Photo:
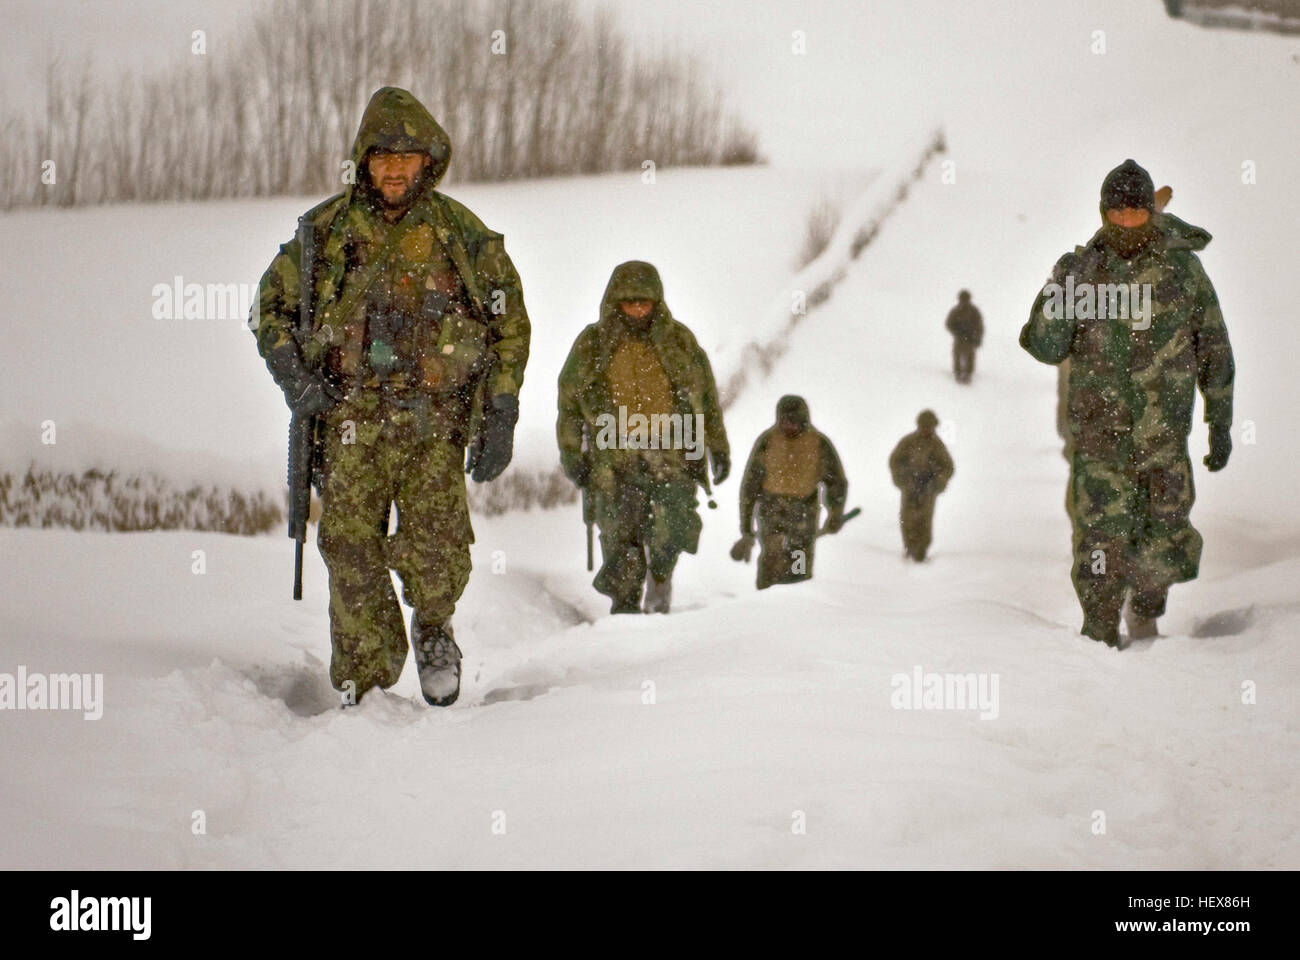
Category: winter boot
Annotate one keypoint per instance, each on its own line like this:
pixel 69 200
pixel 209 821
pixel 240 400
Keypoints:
pixel 437 658
pixel 1141 613
pixel 658 595
pixel 1105 632
pixel 1139 627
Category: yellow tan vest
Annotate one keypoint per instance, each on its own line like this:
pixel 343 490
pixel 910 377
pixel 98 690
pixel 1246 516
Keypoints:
pixel 638 381
pixel 791 465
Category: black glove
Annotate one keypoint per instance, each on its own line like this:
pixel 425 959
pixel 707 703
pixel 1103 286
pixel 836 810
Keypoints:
pixel 306 392
pixel 721 467
pixel 1220 447
pixel 834 522
pixel 490 451
pixel 580 472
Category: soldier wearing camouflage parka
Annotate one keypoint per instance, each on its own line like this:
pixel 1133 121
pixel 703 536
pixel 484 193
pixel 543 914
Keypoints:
pixel 417 347
pixel 639 360
pixel 792 466
pixel 1132 384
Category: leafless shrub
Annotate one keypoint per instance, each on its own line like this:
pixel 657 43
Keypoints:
pixel 823 221
pixel 525 88
pixel 95 500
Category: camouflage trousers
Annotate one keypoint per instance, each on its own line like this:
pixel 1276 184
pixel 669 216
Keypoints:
pixel 963 360
pixel 375 455
pixel 644 525
pixel 916 518
pixel 787 534
pixel 1132 534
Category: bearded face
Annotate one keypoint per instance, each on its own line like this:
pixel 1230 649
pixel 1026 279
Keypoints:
pixel 396 177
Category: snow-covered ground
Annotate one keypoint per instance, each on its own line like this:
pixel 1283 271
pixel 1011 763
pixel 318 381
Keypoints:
pixel 708 737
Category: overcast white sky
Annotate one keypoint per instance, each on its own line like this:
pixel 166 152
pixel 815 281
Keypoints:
pixel 871 66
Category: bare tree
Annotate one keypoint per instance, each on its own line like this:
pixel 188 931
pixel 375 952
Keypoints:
pixel 571 93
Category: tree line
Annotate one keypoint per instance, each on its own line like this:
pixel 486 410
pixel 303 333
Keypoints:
pixel 525 88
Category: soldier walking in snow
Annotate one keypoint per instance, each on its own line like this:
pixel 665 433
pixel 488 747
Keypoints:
pixel 1132 383
pixel 638 410
pixel 921 468
pixel 790 463
pixel 415 346
pixel 967 328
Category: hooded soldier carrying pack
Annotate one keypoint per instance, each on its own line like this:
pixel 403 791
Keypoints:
pixel 430 304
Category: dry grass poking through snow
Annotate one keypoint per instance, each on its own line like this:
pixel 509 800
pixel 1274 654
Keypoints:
pixel 94 500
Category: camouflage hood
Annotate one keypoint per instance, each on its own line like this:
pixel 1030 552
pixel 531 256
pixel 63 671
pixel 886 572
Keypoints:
pixel 793 408
pixel 633 280
pixel 1179 234
pixel 395 120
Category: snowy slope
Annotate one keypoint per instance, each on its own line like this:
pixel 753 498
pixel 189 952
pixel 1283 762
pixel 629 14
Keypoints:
pixel 766 705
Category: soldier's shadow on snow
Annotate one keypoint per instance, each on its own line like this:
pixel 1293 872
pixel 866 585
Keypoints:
pixel 1225 623
pixel 304 687
pixel 526 691
pixel 532 688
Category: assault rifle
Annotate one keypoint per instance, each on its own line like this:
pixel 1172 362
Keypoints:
pixel 302 430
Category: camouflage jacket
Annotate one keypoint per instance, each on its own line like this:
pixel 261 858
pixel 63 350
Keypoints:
pixel 830 477
pixel 920 465
pixel 1133 379
pixel 584 389
pixel 482 350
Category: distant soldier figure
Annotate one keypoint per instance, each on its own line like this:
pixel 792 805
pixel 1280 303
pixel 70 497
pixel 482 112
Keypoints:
pixel 967 328
pixel 791 463
pixel 921 469
pixel 1141 330
pixel 638 410
pixel 416 346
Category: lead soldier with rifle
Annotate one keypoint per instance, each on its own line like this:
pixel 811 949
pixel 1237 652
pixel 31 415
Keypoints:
pixel 394 322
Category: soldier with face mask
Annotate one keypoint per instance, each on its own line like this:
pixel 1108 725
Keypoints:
pixel 638 411
pixel 790 465
pixel 1132 381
